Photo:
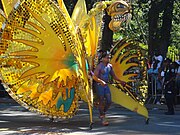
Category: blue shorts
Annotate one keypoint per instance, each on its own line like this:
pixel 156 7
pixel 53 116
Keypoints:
pixel 103 90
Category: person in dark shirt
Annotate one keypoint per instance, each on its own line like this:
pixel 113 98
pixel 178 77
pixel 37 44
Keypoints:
pixel 169 89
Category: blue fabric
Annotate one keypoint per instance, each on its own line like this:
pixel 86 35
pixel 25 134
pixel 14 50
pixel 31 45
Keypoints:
pixel 102 91
pixel 105 71
pixel 104 95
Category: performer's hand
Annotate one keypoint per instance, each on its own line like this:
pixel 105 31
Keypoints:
pixel 103 83
pixel 123 83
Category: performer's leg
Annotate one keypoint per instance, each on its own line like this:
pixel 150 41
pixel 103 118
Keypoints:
pixel 100 92
pixel 101 106
pixel 102 112
pixel 108 102
pixel 108 98
pixel 106 105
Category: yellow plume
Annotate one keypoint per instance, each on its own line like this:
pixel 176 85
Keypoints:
pixel 63 7
pixel 8 5
pixel 79 13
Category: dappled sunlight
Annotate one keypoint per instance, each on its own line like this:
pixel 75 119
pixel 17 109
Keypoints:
pixel 169 124
pixel 118 116
pixel 15 113
pixel 2 122
pixel 14 121
pixel 4 129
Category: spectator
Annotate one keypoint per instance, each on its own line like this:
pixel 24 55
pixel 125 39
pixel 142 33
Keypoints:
pixel 165 67
pixel 157 59
pixel 169 87
pixel 156 85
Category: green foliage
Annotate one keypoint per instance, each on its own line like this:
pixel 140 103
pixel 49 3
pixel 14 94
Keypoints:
pixel 173 50
pixel 175 33
pixel 117 36
pixel 138 27
pixel 173 53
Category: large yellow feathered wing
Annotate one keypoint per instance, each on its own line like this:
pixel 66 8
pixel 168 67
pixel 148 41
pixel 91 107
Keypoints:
pixel 37 59
pixel 129 66
pixel 126 101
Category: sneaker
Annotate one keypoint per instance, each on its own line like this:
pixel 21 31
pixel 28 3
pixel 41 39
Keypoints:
pixel 104 121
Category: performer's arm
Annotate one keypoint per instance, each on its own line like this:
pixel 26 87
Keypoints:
pixel 95 76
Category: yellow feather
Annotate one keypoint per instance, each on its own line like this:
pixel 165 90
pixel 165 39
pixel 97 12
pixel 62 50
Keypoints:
pixel 8 5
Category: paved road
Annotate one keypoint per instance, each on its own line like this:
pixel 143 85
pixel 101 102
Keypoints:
pixel 15 120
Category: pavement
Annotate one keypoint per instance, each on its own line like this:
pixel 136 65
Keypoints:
pixel 16 120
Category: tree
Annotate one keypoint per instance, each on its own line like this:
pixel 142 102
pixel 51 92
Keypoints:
pixel 160 25
pixel 155 23
pixel 107 34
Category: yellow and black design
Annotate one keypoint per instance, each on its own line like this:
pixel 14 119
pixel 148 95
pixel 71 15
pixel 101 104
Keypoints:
pixel 129 65
pixel 119 11
pixel 38 63
pixel 2 19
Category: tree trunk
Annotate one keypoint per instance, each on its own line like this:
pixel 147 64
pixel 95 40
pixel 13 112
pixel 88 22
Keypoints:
pixel 159 30
pixel 153 27
pixel 166 27
pixel 107 34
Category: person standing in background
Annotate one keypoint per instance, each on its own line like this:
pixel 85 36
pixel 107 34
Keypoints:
pixel 169 88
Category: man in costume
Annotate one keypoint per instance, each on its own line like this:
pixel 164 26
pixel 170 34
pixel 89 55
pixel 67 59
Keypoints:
pixel 101 76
